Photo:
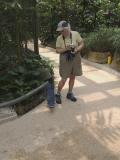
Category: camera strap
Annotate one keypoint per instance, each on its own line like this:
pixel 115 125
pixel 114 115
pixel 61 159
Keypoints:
pixel 70 39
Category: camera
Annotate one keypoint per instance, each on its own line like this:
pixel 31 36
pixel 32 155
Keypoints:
pixel 72 48
pixel 70 54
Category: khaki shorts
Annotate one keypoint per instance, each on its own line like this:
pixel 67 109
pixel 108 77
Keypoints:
pixel 72 67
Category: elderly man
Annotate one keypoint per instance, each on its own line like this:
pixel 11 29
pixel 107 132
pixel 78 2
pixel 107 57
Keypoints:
pixel 69 44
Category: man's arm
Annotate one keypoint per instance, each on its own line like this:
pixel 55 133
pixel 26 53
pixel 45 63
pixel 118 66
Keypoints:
pixel 62 50
pixel 79 47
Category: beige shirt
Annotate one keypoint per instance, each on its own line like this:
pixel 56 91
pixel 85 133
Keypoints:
pixel 76 39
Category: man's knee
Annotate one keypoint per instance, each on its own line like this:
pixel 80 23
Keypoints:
pixel 72 77
pixel 63 80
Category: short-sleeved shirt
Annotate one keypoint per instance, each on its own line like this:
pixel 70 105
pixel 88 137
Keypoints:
pixel 74 67
pixel 76 38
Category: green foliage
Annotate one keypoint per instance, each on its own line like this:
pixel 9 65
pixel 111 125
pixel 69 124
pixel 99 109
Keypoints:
pixel 100 40
pixel 85 16
pixel 104 40
pixel 20 69
pixel 23 77
pixel 115 38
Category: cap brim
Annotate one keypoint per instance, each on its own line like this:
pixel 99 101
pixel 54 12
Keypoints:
pixel 59 29
pixel 62 28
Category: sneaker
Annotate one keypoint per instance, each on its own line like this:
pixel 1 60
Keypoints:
pixel 71 97
pixel 58 99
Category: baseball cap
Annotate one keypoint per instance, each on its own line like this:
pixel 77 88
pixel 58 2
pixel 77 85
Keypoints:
pixel 62 25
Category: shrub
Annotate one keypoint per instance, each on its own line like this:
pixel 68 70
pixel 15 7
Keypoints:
pixel 101 40
pixel 23 77
pixel 115 38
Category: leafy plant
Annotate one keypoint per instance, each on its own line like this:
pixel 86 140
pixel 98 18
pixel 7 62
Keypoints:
pixel 103 40
pixel 115 38
pixel 29 74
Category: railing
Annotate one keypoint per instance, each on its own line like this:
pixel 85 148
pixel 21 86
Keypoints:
pixel 24 97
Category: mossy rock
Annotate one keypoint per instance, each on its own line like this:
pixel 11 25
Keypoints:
pixel 116 66
pixel 116 62
pixel 30 103
pixel 98 57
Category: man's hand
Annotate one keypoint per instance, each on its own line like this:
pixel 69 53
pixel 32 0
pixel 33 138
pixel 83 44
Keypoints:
pixel 76 50
pixel 79 48
pixel 68 48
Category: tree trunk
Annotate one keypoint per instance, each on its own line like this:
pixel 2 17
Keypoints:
pixel 26 47
pixel 18 45
pixel 116 61
pixel 63 16
pixel 83 18
pixel 35 30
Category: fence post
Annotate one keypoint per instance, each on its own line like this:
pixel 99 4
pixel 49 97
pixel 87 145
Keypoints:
pixel 50 94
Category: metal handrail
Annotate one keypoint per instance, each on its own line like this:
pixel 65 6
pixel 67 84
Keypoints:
pixel 20 99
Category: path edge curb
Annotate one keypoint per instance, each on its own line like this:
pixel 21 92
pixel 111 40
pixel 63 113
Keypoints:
pixel 101 66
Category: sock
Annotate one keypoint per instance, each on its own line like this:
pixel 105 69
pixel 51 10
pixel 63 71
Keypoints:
pixel 58 93
pixel 69 92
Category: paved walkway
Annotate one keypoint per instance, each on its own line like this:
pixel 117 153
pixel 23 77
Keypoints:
pixel 86 130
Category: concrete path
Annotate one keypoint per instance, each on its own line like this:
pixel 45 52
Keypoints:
pixel 86 130
pixel 7 114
